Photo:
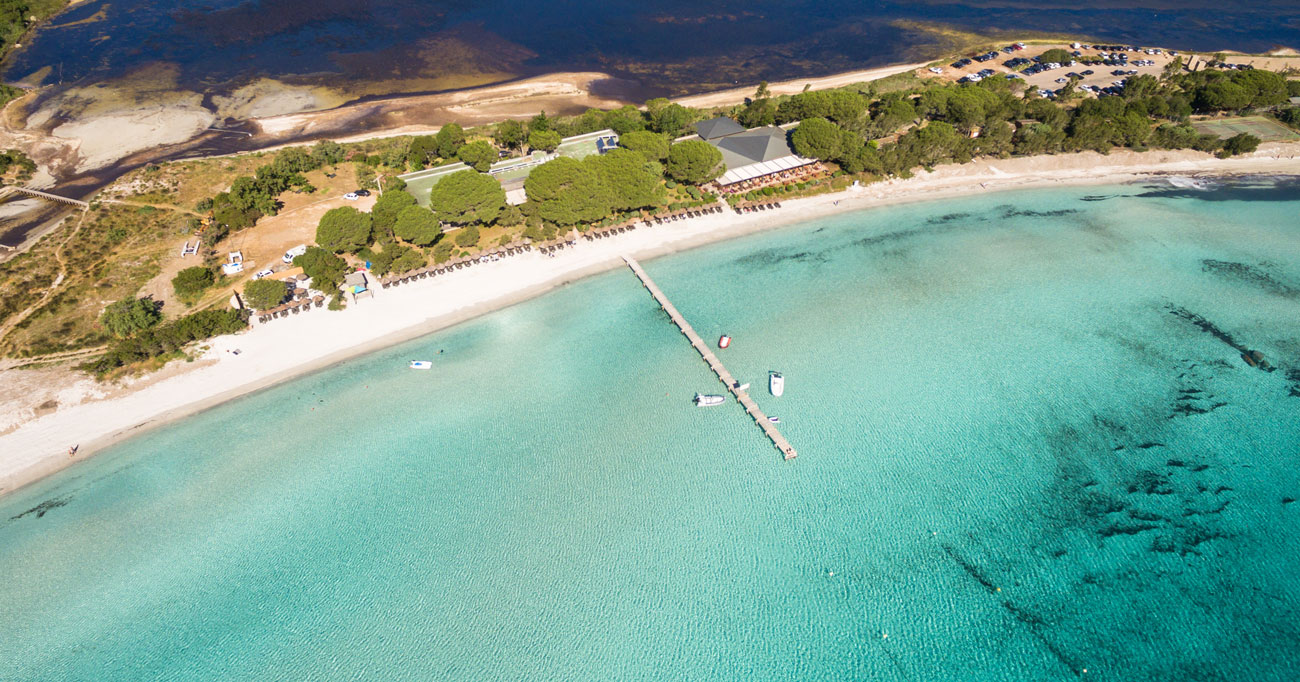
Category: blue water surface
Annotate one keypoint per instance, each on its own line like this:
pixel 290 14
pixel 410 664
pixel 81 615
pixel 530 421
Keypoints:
pixel 1029 446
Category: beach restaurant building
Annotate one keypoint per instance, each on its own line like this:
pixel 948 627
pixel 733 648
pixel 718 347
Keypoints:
pixel 749 154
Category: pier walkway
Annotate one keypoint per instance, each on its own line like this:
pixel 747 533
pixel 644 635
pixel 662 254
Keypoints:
pixel 714 363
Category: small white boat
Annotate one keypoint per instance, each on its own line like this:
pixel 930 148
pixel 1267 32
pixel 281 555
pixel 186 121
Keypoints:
pixel 774 420
pixel 776 383
pixel 421 364
pixel 724 341
pixel 741 387
pixel 709 400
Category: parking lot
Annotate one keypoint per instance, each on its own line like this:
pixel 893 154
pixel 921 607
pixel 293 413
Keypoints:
pixel 1097 76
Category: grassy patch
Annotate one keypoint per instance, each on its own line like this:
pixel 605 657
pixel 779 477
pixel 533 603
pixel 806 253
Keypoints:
pixel 115 252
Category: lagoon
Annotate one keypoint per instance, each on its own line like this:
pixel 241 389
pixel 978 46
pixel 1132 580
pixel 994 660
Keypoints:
pixel 1020 456
pixel 669 46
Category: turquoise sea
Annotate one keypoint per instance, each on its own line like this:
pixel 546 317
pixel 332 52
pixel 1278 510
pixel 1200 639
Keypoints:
pixel 1029 446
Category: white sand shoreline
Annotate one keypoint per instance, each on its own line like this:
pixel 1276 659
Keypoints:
pixel 285 349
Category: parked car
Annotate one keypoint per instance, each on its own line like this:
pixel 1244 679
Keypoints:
pixel 351 196
pixel 362 192
pixel 935 69
pixel 263 273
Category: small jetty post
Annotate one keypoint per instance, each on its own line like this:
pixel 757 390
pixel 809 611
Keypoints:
pixel 713 362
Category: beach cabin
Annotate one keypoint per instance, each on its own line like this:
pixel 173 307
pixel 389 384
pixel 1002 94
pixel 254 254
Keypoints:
pixel 356 286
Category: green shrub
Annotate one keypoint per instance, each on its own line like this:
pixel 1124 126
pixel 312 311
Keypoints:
pixel 190 283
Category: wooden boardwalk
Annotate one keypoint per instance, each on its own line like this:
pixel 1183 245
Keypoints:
pixel 769 429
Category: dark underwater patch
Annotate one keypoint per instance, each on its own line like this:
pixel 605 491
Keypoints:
pixel 1293 376
pixel 1250 275
pixel 970 569
pixel 768 258
pixel 1251 357
pixel 1191 400
pixel 950 217
pixel 48 505
pixel 1013 212
pixel 1151 483
pixel 1186 540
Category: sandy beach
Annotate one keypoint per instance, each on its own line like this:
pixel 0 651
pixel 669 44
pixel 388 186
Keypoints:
pixel 286 348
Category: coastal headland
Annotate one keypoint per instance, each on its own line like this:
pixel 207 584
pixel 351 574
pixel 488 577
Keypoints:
pixel 37 442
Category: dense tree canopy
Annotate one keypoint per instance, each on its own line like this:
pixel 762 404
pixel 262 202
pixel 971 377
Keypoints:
pixel 264 294
pixel 168 338
pixel 449 139
pixel 567 191
pixel 418 225
pixel 423 149
pixel 327 152
pixel 509 134
pixel 344 229
pixel 479 155
pixel 634 182
pixel 325 269
pixel 653 145
pixel 695 162
pixel 467 197
pixel 669 118
pixel 131 315
pixel 545 140
pixel 816 138
pixel 384 214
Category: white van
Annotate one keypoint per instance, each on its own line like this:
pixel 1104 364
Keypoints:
pixel 294 253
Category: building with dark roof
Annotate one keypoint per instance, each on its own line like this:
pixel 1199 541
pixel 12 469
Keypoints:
pixel 749 154
pixel 715 128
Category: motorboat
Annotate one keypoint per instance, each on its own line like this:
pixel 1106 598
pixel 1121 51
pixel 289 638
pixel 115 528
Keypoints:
pixel 776 383
pixel 724 341
pixel 741 387
pixel 709 400
pixel 774 420
pixel 421 364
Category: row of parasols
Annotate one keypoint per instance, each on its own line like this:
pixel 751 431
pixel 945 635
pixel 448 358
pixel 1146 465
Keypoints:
pixel 298 305
pixel 460 264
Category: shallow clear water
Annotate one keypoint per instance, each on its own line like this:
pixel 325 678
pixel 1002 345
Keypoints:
pixel 1020 456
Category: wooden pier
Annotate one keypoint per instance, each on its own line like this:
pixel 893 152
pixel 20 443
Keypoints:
pixel 714 363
